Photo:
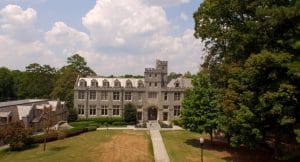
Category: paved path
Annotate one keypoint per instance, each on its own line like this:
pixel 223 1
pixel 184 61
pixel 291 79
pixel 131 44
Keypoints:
pixel 160 152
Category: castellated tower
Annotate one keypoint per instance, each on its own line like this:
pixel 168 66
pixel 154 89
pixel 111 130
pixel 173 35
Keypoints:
pixel 156 77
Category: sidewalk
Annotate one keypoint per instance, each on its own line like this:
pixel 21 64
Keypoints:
pixel 160 153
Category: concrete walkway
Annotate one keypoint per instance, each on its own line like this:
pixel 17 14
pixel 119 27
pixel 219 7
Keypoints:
pixel 160 152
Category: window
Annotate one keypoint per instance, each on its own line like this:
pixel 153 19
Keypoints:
pixel 166 107
pixel 177 84
pixel 128 84
pixel 92 95
pixel 166 96
pixel 94 83
pixel 140 96
pixel 155 75
pixel 155 84
pixel 176 96
pixel 105 83
pixel 139 115
pixel 92 109
pixel 152 95
pixel 80 94
pixel 176 110
pixel 140 84
pixel 150 75
pixel 149 84
pixel 103 110
pixel 128 96
pixel 82 83
pixel 116 110
pixel 117 83
pixel 116 95
pixel 80 109
pixel 104 95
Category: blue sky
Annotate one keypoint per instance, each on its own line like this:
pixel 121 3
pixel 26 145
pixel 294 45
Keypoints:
pixel 115 37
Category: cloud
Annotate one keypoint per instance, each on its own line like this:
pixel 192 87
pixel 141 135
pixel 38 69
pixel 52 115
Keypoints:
pixel 68 39
pixel 123 37
pixel 18 54
pixel 184 16
pixel 166 3
pixel 114 23
pixel 18 23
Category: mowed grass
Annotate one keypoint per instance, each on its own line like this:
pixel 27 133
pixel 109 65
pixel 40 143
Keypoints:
pixel 184 146
pixel 88 147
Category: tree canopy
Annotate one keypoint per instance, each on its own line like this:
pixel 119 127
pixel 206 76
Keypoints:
pixel 253 60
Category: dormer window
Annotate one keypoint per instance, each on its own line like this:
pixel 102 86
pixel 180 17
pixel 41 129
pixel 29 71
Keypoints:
pixel 94 83
pixel 140 84
pixel 177 84
pixel 82 83
pixel 105 83
pixel 117 83
pixel 128 84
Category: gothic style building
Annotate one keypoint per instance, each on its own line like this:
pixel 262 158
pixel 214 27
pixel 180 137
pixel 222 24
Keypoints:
pixel 155 97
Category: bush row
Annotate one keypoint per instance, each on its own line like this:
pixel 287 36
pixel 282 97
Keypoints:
pixel 107 120
pixel 55 135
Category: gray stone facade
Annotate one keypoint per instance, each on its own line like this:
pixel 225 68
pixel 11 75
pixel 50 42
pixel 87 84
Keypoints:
pixel 155 97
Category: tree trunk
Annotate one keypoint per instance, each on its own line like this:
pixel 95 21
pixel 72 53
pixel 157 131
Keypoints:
pixel 211 137
pixel 45 140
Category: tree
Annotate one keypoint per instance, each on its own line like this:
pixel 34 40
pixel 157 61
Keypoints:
pixel 174 75
pixel 6 84
pixel 200 107
pixel 63 89
pixel 36 82
pixel 130 113
pixel 15 134
pixel 252 58
pixel 48 120
pixel 187 74
pixel 79 65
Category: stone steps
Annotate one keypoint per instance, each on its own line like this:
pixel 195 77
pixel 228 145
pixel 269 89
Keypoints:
pixel 153 125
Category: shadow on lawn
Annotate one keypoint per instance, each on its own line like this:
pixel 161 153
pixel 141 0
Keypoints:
pixel 60 148
pixel 239 154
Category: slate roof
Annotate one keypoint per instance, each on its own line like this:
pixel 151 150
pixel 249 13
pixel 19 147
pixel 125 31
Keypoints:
pixel 20 102
pixel 111 81
pixel 183 83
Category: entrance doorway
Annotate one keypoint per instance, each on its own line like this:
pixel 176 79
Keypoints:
pixel 165 116
pixel 152 113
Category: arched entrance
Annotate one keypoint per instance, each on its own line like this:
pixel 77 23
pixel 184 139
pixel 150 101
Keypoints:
pixel 152 113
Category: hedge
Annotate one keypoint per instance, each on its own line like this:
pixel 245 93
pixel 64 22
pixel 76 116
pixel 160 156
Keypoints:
pixel 118 123
pixel 103 120
pixel 52 136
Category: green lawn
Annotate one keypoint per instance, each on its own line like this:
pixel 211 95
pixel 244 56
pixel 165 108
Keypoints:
pixel 185 146
pixel 91 146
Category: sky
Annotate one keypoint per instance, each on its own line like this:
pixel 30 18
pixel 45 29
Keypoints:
pixel 114 36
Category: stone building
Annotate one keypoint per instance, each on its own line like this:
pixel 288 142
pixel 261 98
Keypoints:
pixel 155 97
pixel 30 112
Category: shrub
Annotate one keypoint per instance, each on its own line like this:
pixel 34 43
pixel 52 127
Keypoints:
pixel 118 123
pixel 130 113
pixel 100 121
pixel 91 128
pixel 52 136
pixel 74 131
pixel 16 135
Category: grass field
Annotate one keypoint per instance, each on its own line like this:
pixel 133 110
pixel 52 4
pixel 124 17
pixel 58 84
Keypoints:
pixel 184 146
pixel 89 147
